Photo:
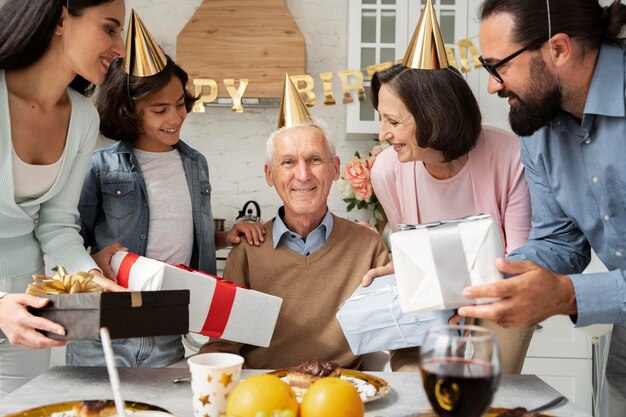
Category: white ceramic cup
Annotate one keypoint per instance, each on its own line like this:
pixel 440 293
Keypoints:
pixel 213 377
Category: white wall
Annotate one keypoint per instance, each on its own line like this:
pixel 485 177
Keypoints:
pixel 234 143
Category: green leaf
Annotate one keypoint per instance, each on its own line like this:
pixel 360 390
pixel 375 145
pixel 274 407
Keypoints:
pixel 348 200
pixel 351 205
pixel 377 214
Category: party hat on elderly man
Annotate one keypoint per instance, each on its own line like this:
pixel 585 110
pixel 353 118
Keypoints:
pixel 293 111
pixel 426 50
pixel 144 57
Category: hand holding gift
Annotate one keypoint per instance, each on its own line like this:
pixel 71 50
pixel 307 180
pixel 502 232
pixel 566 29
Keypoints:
pixel 435 262
pixel 103 259
pixel 82 306
pixel 21 327
pixel 218 308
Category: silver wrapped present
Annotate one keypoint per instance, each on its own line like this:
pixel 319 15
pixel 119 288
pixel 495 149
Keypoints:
pixel 434 262
pixel 373 321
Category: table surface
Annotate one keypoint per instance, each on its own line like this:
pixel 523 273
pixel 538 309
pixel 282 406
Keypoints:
pixel 155 386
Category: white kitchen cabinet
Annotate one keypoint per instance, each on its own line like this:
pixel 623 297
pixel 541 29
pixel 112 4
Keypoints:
pixel 562 356
pixel 380 30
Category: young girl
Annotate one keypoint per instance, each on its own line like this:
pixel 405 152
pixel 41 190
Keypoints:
pixel 151 193
pixel 51 54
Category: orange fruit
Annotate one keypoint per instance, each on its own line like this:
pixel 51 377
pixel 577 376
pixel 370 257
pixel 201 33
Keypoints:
pixel 261 393
pixel 331 397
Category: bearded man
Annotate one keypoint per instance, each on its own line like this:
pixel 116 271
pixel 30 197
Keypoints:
pixel 561 64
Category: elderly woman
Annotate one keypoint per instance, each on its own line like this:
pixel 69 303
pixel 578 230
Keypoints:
pixel 443 164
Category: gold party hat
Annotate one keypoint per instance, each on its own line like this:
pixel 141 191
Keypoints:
pixel 144 57
pixel 293 111
pixel 426 50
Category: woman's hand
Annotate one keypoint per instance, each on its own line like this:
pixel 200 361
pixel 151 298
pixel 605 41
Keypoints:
pixel 108 284
pixel 20 327
pixel 375 273
pixel 103 259
pixel 254 233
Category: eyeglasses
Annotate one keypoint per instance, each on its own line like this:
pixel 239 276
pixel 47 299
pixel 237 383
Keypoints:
pixel 492 69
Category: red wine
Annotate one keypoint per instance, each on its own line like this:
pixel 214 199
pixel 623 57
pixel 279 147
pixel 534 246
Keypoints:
pixel 457 387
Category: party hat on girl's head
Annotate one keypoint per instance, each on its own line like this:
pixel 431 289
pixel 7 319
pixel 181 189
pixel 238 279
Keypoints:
pixel 426 50
pixel 144 57
pixel 293 111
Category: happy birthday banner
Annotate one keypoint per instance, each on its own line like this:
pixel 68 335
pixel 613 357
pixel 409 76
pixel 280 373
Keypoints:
pixel 351 81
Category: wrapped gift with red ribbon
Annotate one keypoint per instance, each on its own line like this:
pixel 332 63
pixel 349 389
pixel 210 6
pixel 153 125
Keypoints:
pixel 217 308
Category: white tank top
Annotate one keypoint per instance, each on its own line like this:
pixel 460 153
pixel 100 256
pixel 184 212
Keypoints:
pixel 33 181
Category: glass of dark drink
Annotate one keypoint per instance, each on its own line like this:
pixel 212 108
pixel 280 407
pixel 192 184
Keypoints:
pixel 460 368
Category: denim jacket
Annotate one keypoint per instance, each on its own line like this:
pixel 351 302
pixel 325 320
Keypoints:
pixel 114 204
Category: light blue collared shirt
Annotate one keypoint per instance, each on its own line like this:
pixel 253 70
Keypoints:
pixel 294 241
pixel 576 174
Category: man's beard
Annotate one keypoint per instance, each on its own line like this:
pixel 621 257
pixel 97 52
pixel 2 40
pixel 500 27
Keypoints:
pixel 528 116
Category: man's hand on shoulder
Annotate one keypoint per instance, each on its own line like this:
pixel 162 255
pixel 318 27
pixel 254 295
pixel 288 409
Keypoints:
pixel 533 294
pixel 253 232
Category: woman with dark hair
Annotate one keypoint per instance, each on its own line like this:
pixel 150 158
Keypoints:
pixel 151 193
pixel 432 116
pixel 49 58
pixel 443 164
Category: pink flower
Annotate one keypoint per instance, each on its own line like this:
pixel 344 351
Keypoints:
pixel 377 149
pixel 363 191
pixel 357 186
pixel 357 172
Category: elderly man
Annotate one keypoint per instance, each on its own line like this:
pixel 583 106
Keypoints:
pixel 560 64
pixel 311 258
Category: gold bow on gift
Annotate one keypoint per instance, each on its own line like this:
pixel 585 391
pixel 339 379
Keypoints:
pixel 62 283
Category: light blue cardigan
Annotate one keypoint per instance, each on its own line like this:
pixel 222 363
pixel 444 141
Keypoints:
pixel 48 223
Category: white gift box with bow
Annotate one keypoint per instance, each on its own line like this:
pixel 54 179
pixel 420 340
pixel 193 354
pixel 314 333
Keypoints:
pixel 434 262
pixel 217 308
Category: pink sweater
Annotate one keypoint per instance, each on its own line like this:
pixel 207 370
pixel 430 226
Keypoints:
pixel 498 186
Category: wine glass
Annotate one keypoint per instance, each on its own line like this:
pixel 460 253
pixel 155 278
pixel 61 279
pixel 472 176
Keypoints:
pixel 460 368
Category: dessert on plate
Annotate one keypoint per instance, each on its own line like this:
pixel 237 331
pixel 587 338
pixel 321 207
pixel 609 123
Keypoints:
pixel 302 376
pixel 98 408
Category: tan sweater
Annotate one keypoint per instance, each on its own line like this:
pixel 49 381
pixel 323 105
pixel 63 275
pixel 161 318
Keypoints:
pixel 312 288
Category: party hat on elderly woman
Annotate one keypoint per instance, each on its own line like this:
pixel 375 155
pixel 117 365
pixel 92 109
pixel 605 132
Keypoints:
pixel 293 111
pixel 144 57
pixel 426 50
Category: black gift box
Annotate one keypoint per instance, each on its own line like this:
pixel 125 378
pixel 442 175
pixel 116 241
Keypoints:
pixel 125 314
